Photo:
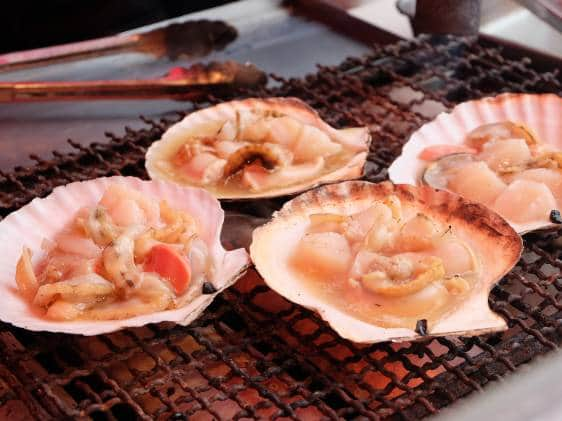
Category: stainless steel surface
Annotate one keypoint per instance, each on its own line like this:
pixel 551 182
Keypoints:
pixel 548 10
pixel 180 83
pixel 268 37
pixel 507 19
pixel 532 393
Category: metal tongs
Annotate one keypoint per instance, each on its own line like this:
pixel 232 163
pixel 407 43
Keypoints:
pixel 190 38
pixel 180 83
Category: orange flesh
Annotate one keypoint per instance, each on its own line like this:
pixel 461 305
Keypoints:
pixel 424 294
pixel 25 277
pixel 254 176
pixel 170 265
pixel 431 153
pixel 251 177
pixel 494 178
pixel 108 276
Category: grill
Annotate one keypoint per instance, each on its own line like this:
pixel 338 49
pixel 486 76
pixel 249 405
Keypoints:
pixel 253 355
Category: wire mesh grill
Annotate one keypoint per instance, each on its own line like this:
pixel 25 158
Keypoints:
pixel 253 355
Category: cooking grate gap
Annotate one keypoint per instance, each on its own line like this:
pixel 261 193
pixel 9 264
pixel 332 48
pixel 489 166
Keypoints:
pixel 76 391
pixel 334 400
pixel 49 363
pixel 95 383
pixel 26 338
pixel 100 416
pixel 69 356
pixel 459 94
pixel 316 384
pixel 433 84
pixel 123 411
pixel 233 320
pixel 263 347
pixel 377 79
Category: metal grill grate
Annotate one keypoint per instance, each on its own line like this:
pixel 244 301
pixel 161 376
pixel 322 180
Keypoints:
pixel 253 354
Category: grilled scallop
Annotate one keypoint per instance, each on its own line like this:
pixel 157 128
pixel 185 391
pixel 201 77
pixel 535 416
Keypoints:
pixel 378 260
pixel 110 253
pixel 504 152
pixel 257 148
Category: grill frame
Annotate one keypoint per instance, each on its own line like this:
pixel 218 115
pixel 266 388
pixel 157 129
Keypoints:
pixel 254 355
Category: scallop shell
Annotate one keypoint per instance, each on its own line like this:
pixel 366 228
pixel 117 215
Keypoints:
pixel 358 139
pixel 43 218
pixel 497 244
pixel 541 113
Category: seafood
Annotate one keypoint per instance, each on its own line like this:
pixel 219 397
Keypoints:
pixel 109 253
pixel 375 259
pixel 504 152
pixel 257 148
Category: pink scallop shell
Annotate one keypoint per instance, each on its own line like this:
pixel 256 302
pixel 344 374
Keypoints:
pixel 43 218
pixel 542 113
pixel 497 244
pixel 356 139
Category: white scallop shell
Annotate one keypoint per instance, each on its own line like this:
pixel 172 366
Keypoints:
pixel 541 113
pixel 43 218
pixel 495 243
pixel 356 139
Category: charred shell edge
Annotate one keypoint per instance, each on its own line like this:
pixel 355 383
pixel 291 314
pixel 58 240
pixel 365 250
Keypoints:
pixel 443 202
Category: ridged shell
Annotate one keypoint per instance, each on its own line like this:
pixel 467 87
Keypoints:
pixel 356 138
pixel 43 218
pixel 498 247
pixel 541 113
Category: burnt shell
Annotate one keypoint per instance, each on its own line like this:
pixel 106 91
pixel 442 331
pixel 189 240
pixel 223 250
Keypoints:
pixel 498 247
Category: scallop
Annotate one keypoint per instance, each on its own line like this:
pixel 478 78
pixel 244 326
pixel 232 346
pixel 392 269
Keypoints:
pixel 501 130
pixel 437 173
pixel 372 294
pixel 525 201
pixel 482 147
pixel 476 181
pixel 551 178
pixel 329 251
pixel 45 218
pixel 505 155
pixel 465 175
pixel 257 148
